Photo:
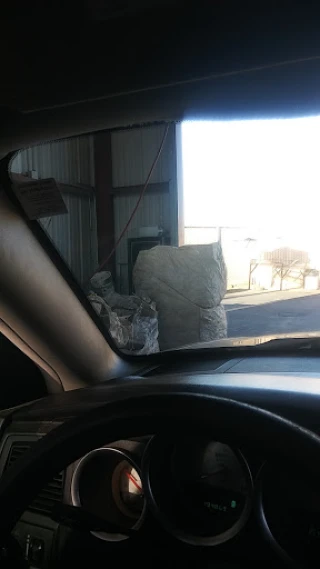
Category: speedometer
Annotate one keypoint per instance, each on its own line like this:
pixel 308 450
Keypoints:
pixel 212 484
pixel 202 491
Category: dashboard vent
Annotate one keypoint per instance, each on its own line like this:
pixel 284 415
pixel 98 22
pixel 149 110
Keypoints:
pixel 51 494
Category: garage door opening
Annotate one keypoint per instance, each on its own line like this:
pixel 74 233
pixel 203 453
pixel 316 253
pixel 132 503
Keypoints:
pixel 254 186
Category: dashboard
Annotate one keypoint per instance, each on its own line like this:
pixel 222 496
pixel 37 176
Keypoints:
pixel 200 490
pixel 192 495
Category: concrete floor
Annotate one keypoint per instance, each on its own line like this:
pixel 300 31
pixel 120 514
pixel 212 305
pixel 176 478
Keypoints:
pixel 253 313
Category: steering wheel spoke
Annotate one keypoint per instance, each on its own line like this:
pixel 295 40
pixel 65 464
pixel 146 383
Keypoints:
pixel 81 519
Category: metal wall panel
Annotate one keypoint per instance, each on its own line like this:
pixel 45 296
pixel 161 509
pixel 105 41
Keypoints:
pixel 153 211
pixel 69 161
pixel 74 234
pixel 133 152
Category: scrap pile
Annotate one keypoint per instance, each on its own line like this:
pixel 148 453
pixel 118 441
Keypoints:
pixel 131 321
pixel 177 303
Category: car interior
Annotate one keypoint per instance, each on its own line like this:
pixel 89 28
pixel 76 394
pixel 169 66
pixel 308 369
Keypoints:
pixel 185 456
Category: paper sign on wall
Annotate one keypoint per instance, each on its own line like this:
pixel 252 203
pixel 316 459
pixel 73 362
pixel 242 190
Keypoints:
pixel 40 198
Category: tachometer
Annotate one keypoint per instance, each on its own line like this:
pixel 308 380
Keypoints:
pixel 202 491
pixel 106 482
pixel 127 490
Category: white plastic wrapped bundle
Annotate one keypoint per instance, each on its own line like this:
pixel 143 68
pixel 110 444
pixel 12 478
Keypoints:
pixel 187 284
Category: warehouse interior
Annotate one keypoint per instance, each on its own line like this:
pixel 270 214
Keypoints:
pixel 100 177
pixel 122 192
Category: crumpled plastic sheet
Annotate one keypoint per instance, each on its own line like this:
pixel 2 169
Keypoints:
pixel 117 330
pixel 132 321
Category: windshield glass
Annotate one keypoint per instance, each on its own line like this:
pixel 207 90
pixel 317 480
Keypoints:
pixel 184 234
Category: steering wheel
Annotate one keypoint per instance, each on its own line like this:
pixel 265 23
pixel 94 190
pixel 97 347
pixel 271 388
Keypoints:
pixel 233 422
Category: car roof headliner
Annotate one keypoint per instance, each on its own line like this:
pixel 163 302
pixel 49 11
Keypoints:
pixel 137 62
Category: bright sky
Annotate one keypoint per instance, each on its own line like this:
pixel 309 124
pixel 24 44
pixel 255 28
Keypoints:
pixel 259 173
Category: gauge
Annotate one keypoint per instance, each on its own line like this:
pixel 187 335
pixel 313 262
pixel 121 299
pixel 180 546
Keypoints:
pixel 206 490
pixel 211 483
pixel 127 490
pixel 107 483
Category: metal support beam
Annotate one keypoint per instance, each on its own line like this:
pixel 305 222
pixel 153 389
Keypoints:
pixel 104 197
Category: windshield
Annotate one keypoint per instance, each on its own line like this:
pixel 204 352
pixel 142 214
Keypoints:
pixel 185 234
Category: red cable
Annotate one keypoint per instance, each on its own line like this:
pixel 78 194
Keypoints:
pixel 154 163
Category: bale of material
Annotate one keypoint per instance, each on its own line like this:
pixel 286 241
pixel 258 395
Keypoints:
pixel 187 283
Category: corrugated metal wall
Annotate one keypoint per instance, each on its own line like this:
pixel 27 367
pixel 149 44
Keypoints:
pixel 71 163
pixel 75 234
pixel 68 161
pixel 153 211
pixel 133 152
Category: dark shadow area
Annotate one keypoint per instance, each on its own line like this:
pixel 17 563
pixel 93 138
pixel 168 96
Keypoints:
pixel 21 380
pixel 280 317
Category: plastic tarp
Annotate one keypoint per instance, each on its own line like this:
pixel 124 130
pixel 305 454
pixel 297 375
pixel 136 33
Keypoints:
pixel 187 284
